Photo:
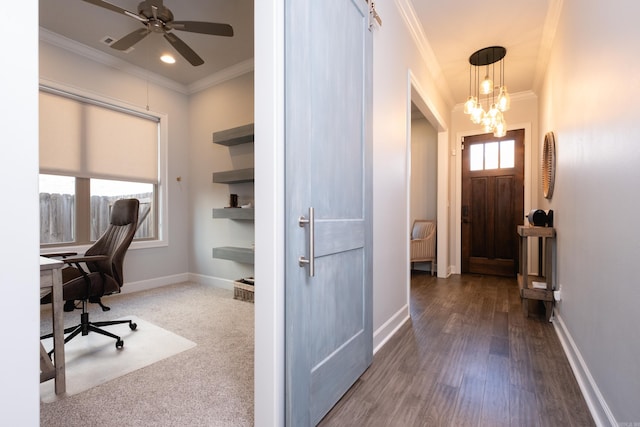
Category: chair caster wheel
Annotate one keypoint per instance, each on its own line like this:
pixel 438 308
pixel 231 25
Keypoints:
pixel 119 344
pixel 133 326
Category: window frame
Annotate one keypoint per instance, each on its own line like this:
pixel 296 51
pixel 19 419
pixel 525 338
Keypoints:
pixel 160 193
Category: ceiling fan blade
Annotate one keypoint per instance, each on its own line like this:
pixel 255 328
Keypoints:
pixel 130 39
pixel 203 28
pixel 183 49
pixel 112 7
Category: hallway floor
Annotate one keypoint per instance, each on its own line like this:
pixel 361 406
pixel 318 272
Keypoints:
pixel 467 357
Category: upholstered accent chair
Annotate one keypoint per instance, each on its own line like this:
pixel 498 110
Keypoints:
pixel 423 242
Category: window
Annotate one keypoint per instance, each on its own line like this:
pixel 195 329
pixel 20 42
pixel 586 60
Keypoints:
pixel 91 154
pixel 105 192
pixel 492 155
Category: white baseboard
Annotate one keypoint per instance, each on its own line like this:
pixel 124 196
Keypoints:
pixel 598 407
pixel 158 282
pixel 212 281
pixel 389 328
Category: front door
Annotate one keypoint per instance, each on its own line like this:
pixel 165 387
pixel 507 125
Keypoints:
pixel 328 267
pixel 492 202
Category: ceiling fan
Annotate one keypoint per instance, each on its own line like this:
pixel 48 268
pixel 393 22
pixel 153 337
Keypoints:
pixel 157 18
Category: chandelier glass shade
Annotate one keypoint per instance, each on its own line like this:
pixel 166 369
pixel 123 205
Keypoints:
pixel 487 102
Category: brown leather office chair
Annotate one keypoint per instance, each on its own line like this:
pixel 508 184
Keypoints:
pixel 423 242
pixel 102 271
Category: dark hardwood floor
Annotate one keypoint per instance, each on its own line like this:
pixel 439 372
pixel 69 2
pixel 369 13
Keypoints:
pixel 467 357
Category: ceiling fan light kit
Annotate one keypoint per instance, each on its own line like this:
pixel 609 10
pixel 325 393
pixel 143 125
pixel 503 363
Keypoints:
pixel 168 59
pixel 157 18
pixel 491 119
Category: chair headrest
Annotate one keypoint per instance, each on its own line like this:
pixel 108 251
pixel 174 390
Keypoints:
pixel 124 211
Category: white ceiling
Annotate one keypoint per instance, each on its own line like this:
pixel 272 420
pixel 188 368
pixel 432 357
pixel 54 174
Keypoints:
pixel 454 29
pixel 457 28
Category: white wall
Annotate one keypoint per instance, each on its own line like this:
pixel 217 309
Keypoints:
pixel 589 100
pixel 19 236
pixel 269 388
pixel 226 105
pixel 424 170
pixel 63 67
pixel 396 61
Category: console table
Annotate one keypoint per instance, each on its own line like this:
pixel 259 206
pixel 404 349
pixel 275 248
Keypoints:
pixel 537 287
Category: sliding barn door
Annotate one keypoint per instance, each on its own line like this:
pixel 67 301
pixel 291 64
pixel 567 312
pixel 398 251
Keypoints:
pixel 328 203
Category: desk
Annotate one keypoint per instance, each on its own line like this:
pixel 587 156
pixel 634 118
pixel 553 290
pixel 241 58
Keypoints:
pixel 51 277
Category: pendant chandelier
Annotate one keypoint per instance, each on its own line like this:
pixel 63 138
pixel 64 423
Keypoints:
pixel 487 100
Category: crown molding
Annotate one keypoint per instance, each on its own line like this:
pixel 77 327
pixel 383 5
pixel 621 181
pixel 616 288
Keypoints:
pixel 96 55
pixel 109 60
pixel 548 35
pixel 408 13
pixel 221 76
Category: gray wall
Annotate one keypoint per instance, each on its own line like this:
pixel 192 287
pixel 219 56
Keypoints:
pixel 226 105
pixel 590 101
pixel 62 67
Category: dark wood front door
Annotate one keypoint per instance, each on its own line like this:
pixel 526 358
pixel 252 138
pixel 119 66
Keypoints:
pixel 492 202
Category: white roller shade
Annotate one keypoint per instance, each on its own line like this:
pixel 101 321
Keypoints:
pixel 60 134
pixel 93 141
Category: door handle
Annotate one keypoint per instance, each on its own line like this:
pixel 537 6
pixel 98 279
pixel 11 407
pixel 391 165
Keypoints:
pixel 302 261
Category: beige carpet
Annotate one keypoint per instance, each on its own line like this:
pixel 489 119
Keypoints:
pixel 93 359
pixel 209 385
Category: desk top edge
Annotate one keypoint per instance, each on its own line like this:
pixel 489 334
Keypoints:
pixel 49 263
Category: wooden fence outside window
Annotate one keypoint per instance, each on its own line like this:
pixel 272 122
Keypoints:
pixel 57 212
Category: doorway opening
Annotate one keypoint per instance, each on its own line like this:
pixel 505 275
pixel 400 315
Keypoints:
pixel 423 189
pixel 427 179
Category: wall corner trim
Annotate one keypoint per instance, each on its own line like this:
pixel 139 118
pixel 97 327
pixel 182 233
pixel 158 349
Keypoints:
pixel 598 407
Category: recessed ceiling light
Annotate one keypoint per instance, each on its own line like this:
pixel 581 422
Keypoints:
pixel 168 59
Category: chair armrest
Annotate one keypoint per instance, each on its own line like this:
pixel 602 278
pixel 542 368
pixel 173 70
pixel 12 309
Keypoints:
pixel 59 254
pixel 84 258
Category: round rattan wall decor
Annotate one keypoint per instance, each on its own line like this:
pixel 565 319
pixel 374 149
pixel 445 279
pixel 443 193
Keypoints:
pixel 548 164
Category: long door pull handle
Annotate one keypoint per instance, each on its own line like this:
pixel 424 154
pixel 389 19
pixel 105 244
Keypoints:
pixel 302 261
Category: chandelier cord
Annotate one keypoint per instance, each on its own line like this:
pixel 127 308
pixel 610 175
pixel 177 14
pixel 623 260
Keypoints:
pixel 493 83
pixel 469 77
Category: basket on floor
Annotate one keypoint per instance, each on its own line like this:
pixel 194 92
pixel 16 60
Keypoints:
pixel 243 289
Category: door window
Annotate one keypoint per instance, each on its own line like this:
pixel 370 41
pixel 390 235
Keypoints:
pixel 492 155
